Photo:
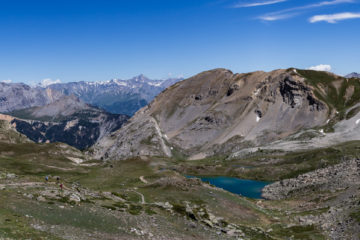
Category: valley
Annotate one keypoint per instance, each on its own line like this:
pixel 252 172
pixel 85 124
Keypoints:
pixel 290 135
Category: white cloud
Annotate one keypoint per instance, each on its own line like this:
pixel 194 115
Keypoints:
pixel 6 81
pixel 321 67
pixel 291 12
pixel 48 81
pixel 275 17
pixel 256 4
pixel 334 18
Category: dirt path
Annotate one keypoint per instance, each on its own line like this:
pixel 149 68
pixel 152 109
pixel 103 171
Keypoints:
pixel 143 179
pixel 27 184
pixel 141 195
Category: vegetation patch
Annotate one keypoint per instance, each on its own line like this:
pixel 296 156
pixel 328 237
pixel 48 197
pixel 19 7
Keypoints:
pixel 135 209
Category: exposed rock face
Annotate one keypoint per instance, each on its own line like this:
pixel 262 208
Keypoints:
pixel 210 112
pixel 334 189
pixel 67 120
pixel 332 178
pixel 116 96
pixel 8 133
pixel 15 96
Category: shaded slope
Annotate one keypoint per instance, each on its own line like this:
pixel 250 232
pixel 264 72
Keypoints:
pixel 67 120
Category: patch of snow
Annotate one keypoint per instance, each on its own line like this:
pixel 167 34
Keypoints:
pixel 322 131
pixel 156 84
pixel 75 160
pixel 294 70
pixel 71 124
pixel 48 81
pixel 297 101
pixel 327 121
pixel 258 118
pixel 257 92
pixel 121 83
pixel 357 122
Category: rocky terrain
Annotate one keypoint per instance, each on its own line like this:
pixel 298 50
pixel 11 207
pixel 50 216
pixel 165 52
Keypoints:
pixel 219 113
pixel 116 96
pixel 66 120
pixel 297 130
pixel 15 96
pixel 337 189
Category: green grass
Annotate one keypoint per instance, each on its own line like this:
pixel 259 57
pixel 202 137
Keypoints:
pixel 334 98
pixel 15 226
pixel 135 209
pixel 356 215
pixel 31 162
pixel 39 160
pixel 298 232
pixel 284 164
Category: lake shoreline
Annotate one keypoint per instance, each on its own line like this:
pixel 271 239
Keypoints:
pixel 243 187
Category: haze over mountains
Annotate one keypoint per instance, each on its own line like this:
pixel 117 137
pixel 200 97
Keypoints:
pixel 14 96
pixel 116 96
pixel 353 75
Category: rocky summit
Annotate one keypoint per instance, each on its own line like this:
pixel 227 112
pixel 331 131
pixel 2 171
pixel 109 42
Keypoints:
pixel 219 113
pixel 353 75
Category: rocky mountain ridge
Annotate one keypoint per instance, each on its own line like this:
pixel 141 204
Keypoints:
pixel 218 113
pixel 15 96
pixel 116 95
pixel 353 75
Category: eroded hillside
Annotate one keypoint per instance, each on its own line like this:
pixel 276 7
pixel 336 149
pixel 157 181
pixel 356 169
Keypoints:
pixel 218 113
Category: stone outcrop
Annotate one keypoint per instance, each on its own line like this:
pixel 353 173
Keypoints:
pixel 332 178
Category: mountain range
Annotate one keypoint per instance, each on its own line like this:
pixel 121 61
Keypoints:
pixel 291 136
pixel 116 96
pixel 353 75
pixel 221 113
pixel 14 96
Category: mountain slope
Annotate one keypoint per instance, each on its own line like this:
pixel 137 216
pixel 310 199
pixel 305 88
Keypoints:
pixel 67 120
pixel 116 96
pixel 218 112
pixel 15 96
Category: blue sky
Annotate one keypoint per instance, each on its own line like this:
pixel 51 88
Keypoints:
pixel 99 40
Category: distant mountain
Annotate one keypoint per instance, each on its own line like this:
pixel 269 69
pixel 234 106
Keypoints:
pixel 67 120
pixel 353 75
pixel 116 96
pixel 15 96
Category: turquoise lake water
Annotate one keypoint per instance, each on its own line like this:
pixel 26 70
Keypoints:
pixel 244 187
